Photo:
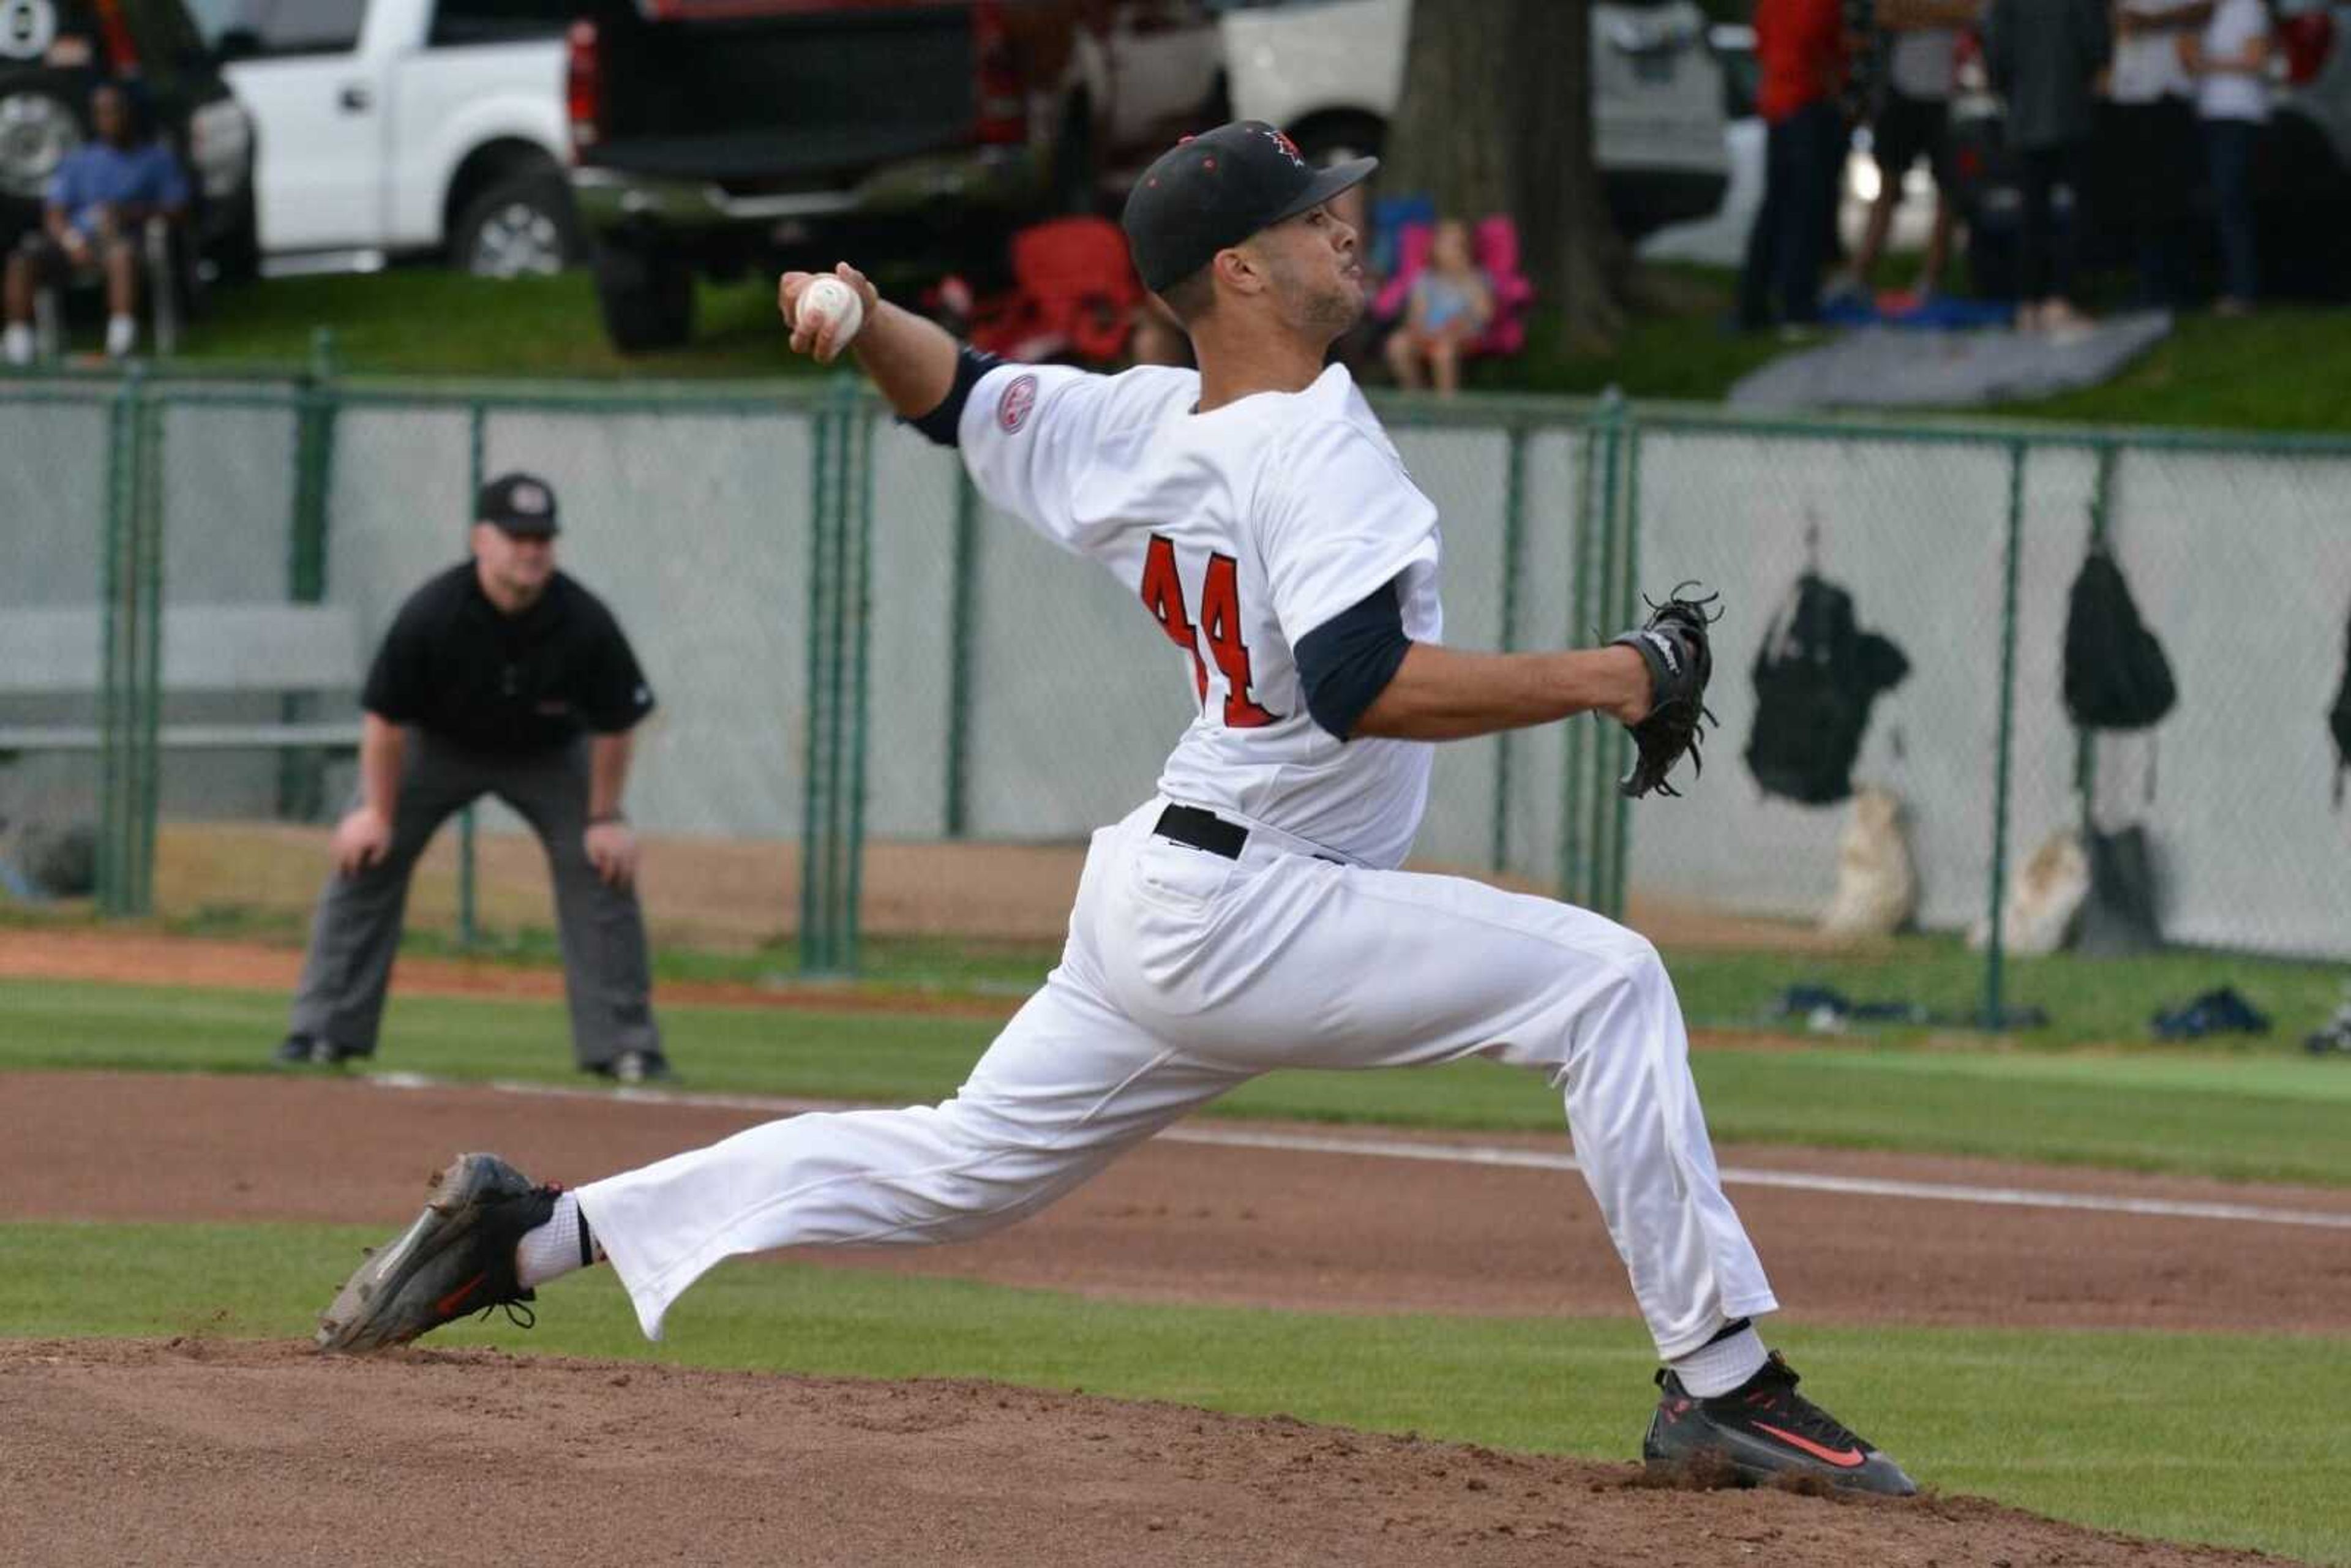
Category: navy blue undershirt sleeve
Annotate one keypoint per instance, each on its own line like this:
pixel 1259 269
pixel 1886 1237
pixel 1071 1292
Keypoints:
pixel 1348 661
pixel 942 423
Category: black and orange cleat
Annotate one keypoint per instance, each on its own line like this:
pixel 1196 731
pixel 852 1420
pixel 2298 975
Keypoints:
pixel 458 1258
pixel 1764 1429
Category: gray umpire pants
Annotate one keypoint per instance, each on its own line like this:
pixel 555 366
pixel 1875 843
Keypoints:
pixel 357 929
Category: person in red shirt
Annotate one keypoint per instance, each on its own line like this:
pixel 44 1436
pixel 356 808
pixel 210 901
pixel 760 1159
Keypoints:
pixel 1800 45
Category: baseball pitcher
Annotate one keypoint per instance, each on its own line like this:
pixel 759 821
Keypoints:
pixel 1250 916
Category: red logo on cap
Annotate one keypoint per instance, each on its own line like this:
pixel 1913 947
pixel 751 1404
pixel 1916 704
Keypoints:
pixel 1289 148
pixel 1012 408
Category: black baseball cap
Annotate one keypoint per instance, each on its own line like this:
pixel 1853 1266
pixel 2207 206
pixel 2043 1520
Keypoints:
pixel 519 503
pixel 1216 189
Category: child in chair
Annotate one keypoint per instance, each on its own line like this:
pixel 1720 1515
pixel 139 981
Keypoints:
pixel 1451 306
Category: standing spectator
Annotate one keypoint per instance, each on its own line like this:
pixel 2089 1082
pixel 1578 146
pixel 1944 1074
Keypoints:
pixel 100 200
pixel 2229 60
pixel 1451 306
pixel 2151 128
pixel 1800 49
pixel 2044 57
pixel 1913 122
pixel 500 675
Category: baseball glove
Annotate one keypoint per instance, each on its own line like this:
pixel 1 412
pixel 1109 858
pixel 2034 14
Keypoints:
pixel 1673 643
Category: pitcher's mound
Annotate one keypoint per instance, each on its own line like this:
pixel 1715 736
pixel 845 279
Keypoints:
pixel 202 1451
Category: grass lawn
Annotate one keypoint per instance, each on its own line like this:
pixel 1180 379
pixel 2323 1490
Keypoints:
pixel 425 321
pixel 2270 1115
pixel 2173 1435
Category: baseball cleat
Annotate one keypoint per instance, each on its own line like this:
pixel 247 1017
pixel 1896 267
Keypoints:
pixel 1764 1429
pixel 458 1258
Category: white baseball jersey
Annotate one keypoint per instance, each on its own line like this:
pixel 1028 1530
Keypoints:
pixel 1240 530
pixel 1189 970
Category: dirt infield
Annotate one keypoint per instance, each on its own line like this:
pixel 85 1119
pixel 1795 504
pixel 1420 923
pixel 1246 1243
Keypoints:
pixel 736 893
pixel 205 1450
pixel 220 1452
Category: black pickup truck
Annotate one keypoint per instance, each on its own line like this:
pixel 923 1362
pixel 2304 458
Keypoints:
pixel 715 136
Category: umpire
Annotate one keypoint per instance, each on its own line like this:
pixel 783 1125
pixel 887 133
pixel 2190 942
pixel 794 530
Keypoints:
pixel 500 675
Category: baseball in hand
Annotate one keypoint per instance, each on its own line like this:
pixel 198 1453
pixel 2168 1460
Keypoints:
pixel 830 307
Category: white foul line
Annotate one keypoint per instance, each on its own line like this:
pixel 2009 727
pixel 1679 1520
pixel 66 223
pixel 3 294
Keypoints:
pixel 1480 1154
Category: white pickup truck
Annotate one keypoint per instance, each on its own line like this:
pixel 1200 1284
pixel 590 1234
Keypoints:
pixel 389 128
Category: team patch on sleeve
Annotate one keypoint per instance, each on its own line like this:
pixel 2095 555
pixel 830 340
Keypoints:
pixel 1013 407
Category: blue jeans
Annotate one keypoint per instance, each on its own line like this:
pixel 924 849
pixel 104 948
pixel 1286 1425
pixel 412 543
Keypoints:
pixel 2229 152
pixel 1788 245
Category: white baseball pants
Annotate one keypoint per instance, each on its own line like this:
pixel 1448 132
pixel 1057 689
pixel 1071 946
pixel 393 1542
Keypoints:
pixel 1185 975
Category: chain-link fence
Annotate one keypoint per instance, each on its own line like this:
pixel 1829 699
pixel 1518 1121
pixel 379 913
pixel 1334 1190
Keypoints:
pixel 886 710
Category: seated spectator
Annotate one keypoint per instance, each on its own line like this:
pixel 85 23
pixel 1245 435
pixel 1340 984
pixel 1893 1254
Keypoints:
pixel 2229 60
pixel 1447 311
pixel 100 200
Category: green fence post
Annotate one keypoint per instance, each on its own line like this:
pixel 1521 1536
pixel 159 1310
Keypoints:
pixel 963 612
pixel 1995 1012
pixel 147 666
pixel 116 573
pixel 1514 493
pixel 1601 873
pixel 1629 535
pixel 1573 835
pixel 860 602
pixel 469 929
pixel 816 949
pixel 301 774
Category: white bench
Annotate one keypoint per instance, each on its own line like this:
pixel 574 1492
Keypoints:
pixel 206 649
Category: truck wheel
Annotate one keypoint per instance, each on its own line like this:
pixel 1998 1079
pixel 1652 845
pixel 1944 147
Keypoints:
pixel 647 298
pixel 521 226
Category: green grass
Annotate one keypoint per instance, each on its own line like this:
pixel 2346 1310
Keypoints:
pixel 2182 1436
pixel 425 321
pixel 2277 1115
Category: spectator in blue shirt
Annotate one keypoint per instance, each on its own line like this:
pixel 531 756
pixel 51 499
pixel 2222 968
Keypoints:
pixel 100 200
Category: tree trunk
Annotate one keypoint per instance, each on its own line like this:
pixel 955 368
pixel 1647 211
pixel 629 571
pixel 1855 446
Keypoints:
pixel 1496 116
pixel 1451 138
pixel 1574 253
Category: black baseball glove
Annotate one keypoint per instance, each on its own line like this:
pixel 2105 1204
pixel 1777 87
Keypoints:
pixel 1673 643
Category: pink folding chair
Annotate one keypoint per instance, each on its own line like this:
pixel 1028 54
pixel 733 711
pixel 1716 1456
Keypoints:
pixel 1495 243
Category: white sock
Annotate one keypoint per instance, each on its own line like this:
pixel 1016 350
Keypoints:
pixel 19 343
pixel 1713 1370
pixel 556 1248
pixel 121 335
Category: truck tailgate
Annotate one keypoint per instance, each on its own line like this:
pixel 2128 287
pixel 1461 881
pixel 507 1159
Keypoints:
pixel 788 96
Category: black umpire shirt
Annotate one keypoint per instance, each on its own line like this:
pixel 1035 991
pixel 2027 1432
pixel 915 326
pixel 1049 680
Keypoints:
pixel 454 666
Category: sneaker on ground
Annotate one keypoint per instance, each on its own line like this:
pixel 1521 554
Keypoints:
pixel 122 335
pixel 1765 1429
pixel 636 1067
pixel 458 1258
pixel 308 1050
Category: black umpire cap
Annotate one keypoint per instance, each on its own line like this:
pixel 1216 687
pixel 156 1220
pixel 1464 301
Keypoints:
pixel 1216 189
pixel 521 504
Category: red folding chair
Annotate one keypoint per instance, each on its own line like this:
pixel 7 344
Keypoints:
pixel 1074 294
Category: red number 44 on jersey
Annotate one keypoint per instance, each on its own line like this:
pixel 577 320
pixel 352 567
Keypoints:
pixel 1220 619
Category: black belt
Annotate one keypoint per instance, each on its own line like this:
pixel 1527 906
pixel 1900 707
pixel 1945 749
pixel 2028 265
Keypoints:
pixel 1202 830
